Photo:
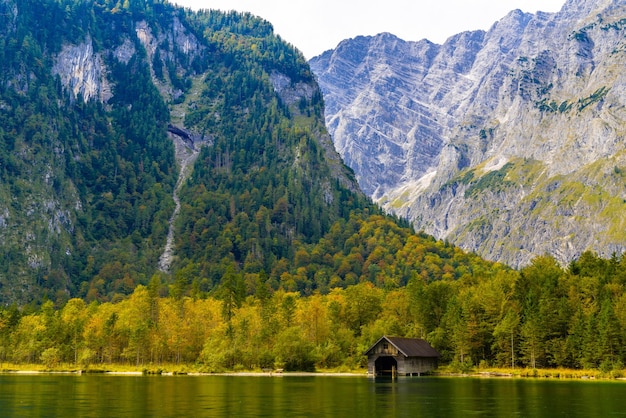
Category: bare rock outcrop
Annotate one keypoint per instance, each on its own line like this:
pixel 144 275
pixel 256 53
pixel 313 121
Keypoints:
pixel 508 142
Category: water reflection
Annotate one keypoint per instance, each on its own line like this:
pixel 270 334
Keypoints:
pixel 289 396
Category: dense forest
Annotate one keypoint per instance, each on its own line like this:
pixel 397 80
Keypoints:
pixel 542 316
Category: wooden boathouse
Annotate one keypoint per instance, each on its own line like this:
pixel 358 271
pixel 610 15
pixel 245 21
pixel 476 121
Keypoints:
pixel 395 356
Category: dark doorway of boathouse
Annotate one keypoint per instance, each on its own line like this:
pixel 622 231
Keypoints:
pixel 386 366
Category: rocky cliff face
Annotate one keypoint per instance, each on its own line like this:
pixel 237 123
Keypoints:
pixel 508 142
pixel 82 72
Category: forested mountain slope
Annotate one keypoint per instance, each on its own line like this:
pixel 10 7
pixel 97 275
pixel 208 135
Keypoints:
pixel 94 96
pixel 86 168
pixel 509 142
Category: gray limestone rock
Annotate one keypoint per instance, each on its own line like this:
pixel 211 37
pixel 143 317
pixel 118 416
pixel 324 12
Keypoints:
pixel 508 142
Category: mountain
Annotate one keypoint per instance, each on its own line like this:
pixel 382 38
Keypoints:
pixel 138 138
pixel 147 144
pixel 508 142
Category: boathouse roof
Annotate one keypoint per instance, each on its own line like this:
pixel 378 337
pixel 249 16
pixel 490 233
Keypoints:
pixel 409 347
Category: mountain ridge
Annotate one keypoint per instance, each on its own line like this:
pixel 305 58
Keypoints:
pixel 542 88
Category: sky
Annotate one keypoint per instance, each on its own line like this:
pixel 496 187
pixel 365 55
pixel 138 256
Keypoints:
pixel 314 26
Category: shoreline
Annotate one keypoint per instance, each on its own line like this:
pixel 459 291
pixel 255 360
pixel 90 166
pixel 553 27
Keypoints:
pixel 551 374
pixel 166 372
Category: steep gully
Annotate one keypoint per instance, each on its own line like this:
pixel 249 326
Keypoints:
pixel 186 155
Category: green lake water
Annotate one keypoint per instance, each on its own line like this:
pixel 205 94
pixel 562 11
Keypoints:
pixel 309 396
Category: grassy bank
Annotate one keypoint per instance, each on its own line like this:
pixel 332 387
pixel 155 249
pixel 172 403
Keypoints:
pixel 151 369
pixel 99 368
pixel 558 373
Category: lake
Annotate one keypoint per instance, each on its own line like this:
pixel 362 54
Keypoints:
pixel 304 396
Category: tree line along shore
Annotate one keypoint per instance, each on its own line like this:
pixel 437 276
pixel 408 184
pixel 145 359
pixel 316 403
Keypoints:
pixel 543 317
